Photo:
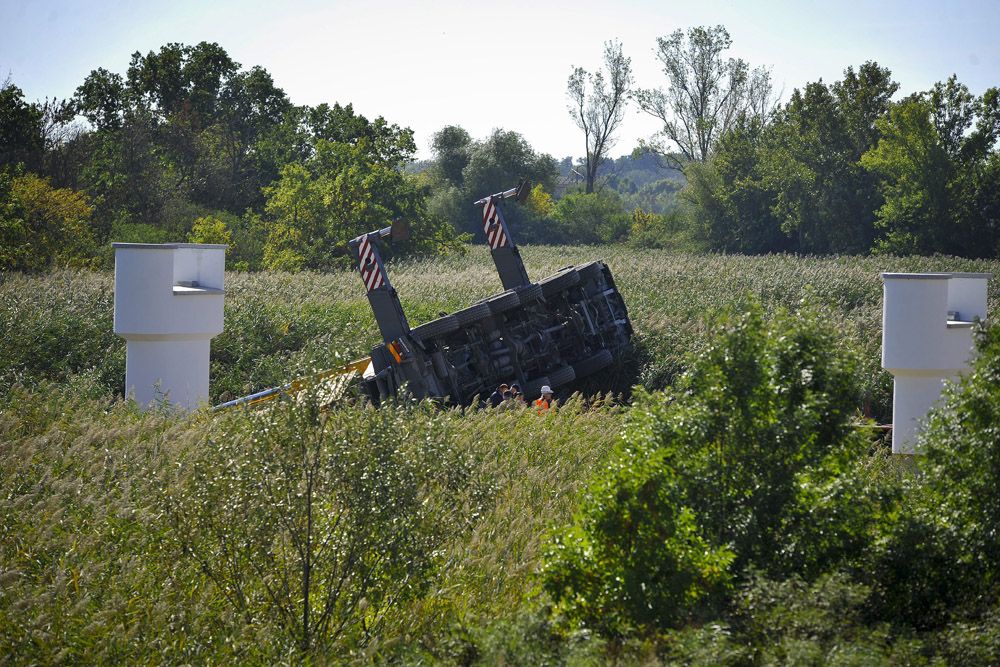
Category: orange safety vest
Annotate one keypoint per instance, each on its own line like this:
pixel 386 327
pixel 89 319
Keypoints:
pixel 542 405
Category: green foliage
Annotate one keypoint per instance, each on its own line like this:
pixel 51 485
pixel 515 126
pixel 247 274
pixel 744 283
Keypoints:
pixel 653 230
pixel 210 229
pixel 597 217
pixel 498 162
pixel 937 160
pixel 823 198
pixel 841 169
pixel 42 226
pixel 796 183
pixel 342 191
pixel 452 145
pixel 467 170
pixel 636 560
pixel 21 133
pixel 540 202
pixel 707 477
pixel 727 203
pixel 941 551
pixel 317 525
pixel 86 576
pixel 963 454
pixel 56 328
pixel 823 622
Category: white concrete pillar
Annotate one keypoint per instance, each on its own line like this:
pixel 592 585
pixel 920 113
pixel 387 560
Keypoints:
pixel 169 301
pixel 927 321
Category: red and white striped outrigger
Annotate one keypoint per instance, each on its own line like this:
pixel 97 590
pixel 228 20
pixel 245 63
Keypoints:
pixel 372 274
pixel 494 225
pixel 499 239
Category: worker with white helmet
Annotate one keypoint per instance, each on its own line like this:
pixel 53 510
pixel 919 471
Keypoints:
pixel 545 401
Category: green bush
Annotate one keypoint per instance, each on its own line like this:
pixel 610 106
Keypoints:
pixel 597 217
pixel 636 557
pixel 709 478
pixel 941 553
pixel 41 226
pixel 210 229
pixel 316 525
pixel 795 622
pixel 658 230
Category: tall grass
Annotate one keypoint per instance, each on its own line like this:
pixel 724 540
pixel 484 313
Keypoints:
pixel 91 570
pixel 280 325
pixel 95 569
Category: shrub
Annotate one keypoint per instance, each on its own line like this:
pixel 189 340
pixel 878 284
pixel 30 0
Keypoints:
pixel 941 553
pixel 655 230
pixel 42 226
pixel 636 557
pixel 707 476
pixel 316 525
pixel 597 217
pixel 962 452
pixel 792 621
pixel 210 229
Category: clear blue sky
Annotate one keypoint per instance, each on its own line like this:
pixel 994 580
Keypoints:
pixel 498 64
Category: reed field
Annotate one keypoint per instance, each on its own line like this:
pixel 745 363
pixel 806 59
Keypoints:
pixel 145 538
pixel 280 325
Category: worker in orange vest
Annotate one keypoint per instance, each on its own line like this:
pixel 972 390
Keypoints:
pixel 545 402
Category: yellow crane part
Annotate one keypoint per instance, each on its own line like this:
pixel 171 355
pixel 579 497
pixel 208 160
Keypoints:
pixel 354 367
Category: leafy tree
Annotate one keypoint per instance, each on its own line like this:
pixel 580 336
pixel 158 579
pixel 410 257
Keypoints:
pixel 706 94
pixel 342 191
pixel 728 204
pixel 184 125
pixel 378 140
pixel 937 160
pixel 102 99
pixel 451 145
pixel 21 131
pixel 179 79
pixel 599 112
pixel 540 202
pixel 40 225
pixel 797 183
pixel 824 199
pixel 257 131
pixel 499 163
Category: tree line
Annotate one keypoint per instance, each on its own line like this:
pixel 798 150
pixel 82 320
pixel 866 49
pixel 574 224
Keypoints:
pixel 838 168
pixel 188 144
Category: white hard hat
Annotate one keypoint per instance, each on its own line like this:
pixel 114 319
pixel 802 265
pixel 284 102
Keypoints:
pixel 546 389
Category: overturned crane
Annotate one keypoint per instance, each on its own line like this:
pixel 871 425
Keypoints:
pixel 553 332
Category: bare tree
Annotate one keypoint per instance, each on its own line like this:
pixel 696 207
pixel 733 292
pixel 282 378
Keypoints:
pixel 600 110
pixel 706 94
